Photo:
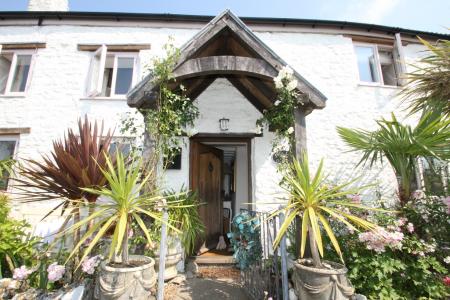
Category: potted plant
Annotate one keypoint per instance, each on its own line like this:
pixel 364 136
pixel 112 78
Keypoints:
pixel 183 215
pixel 121 276
pixel 315 202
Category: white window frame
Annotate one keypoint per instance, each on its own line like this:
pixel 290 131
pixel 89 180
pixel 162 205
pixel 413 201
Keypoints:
pixel 103 52
pixel 8 138
pixel 376 49
pixel 12 69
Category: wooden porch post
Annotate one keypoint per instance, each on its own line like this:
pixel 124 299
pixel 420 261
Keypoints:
pixel 300 133
pixel 300 149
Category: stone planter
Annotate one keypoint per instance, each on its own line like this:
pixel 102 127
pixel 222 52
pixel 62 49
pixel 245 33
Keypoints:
pixel 173 257
pixel 127 283
pixel 321 284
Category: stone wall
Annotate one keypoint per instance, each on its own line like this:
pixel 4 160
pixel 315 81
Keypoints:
pixel 56 98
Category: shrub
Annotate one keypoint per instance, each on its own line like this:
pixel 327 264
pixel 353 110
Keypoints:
pixel 17 247
pixel 406 258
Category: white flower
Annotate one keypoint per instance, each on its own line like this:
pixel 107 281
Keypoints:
pixel 288 71
pixel 21 273
pixel 277 103
pixel 447 260
pixel 290 130
pixel 278 82
pixel 292 85
pixel 55 272
pixel 410 227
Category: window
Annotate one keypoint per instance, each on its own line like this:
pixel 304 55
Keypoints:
pixel 379 64
pixel 7 150
pixel 112 74
pixel 122 144
pixel 15 69
pixel 434 175
pixel 175 161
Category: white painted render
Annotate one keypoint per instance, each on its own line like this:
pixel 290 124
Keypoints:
pixel 56 98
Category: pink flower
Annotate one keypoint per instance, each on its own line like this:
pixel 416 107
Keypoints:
pixel 354 198
pixel 418 194
pixel 446 201
pixel 89 264
pixel 21 273
pixel 55 272
pixel 446 280
pixel 400 222
pixel 410 227
pixel 380 238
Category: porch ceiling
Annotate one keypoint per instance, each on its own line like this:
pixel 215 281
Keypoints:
pixel 227 48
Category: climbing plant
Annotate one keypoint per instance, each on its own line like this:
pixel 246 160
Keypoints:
pixel 280 117
pixel 174 111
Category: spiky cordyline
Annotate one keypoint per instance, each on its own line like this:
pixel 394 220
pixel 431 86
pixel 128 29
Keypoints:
pixel 316 202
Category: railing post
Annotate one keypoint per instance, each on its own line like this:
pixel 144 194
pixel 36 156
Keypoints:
pixel 162 256
pixel 284 270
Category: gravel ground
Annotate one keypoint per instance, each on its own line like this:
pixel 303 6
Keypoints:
pixel 211 283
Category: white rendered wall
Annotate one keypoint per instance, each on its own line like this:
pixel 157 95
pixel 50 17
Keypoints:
pixel 56 98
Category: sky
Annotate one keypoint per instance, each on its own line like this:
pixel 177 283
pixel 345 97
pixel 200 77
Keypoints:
pixel 425 15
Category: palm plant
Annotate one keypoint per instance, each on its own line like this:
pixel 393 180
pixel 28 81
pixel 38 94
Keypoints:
pixel 6 167
pixel 183 211
pixel 428 88
pixel 315 202
pixel 128 201
pixel 401 145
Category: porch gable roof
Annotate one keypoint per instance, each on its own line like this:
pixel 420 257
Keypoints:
pixel 226 47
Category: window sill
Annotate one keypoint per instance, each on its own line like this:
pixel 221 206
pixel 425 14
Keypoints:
pixel 13 96
pixel 367 84
pixel 104 99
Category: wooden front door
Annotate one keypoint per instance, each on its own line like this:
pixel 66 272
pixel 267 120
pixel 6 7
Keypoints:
pixel 206 180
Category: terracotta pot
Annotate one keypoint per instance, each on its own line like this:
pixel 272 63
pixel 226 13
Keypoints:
pixel 321 283
pixel 127 283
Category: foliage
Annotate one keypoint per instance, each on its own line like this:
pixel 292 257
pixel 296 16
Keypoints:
pixel 75 163
pixel 174 111
pixel 6 167
pixel 428 88
pixel 401 145
pixel 314 201
pixel 280 116
pixel 17 247
pixel 183 215
pixel 128 201
pixel 410 269
pixel 245 240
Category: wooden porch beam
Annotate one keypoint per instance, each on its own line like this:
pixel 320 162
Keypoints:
pixel 225 65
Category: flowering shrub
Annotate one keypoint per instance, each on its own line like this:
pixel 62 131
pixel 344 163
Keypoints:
pixel 280 117
pixel 407 258
pixel 90 264
pixel 21 273
pixel 55 272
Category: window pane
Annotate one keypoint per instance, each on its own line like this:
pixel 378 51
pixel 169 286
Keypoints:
pixel 388 67
pixel 6 152
pixel 366 64
pixel 435 173
pixel 21 73
pixel 5 66
pixel 124 75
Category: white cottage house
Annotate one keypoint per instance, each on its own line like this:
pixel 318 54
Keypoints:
pixel 57 65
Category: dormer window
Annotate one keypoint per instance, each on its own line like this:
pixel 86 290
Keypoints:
pixel 379 64
pixel 112 74
pixel 15 69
